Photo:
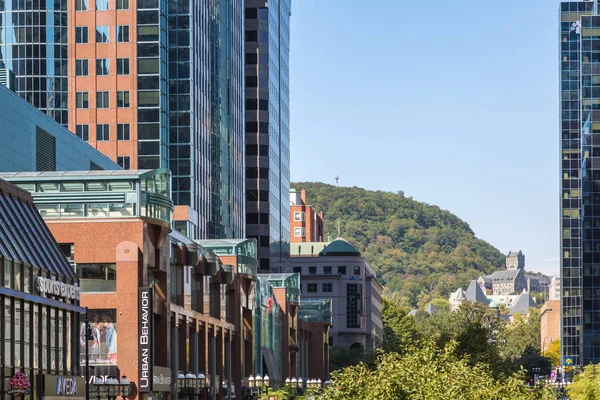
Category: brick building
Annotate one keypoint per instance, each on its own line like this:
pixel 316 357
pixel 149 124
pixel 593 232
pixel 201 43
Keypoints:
pixel 306 225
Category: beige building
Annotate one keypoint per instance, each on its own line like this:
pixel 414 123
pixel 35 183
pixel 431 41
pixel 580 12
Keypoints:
pixel 550 323
pixel 515 260
pixel 336 270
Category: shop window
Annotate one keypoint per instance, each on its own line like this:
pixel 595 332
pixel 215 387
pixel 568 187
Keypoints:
pixel 97 277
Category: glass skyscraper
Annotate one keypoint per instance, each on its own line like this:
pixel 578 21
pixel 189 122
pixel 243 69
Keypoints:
pixel 267 36
pixel 159 84
pixel 34 45
pixel 580 181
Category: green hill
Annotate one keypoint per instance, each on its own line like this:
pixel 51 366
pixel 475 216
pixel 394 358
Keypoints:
pixel 419 251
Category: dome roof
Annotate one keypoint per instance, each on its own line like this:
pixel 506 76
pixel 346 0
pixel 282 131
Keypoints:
pixel 340 247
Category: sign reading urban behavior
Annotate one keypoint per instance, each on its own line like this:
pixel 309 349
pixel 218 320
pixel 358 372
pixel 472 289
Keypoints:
pixel 145 375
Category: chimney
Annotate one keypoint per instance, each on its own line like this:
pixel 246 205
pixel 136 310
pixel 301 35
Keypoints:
pixel 303 196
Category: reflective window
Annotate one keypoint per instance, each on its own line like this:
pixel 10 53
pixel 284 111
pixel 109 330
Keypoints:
pixel 82 100
pixel 102 34
pixel 81 5
pixel 123 99
pixel 123 131
pixel 122 66
pixel 102 99
pixel 101 5
pixel 123 33
pixel 81 34
pixel 102 132
pixel 122 4
pixel 81 67
pixel 102 66
pixel 83 131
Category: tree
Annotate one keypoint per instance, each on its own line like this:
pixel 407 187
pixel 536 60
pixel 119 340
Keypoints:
pixel 427 372
pixel 553 353
pixel 399 329
pixel 585 386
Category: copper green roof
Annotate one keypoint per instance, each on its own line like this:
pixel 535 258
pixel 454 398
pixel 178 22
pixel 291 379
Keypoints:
pixel 339 247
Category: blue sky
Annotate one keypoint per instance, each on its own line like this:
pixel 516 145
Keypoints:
pixel 454 103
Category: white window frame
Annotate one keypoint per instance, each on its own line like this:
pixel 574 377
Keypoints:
pixel 297 216
pixel 297 231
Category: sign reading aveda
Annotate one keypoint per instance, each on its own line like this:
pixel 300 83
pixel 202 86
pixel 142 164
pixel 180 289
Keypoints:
pixel 145 340
pixel 53 287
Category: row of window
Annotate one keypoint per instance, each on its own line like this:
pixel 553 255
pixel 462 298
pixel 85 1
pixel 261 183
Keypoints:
pixel 102 34
pixel 101 5
pixel 102 99
pixel 299 216
pixel 328 270
pixel 313 287
pixel 102 67
pixel 299 232
pixel 103 132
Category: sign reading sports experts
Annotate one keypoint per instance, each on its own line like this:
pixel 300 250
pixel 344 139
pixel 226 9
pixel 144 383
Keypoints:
pixel 145 375
pixel 52 287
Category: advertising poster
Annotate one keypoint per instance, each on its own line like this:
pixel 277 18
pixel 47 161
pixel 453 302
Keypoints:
pixel 103 344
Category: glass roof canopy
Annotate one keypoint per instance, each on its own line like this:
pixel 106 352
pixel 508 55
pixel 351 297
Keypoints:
pixel 98 194
pixel 289 281
pixel 243 249
pixel 316 311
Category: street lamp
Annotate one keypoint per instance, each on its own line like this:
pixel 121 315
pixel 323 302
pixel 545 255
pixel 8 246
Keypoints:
pixel 202 384
pixel 124 384
pixel 100 387
pixel 266 382
pixel 187 384
pixel 112 384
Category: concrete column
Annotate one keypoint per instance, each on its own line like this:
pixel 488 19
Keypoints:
pixel 174 361
pixel 212 363
pixel 306 344
pixel 228 366
pixel 194 353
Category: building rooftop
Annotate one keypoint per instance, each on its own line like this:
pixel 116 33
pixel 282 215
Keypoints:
pixel 98 194
pixel 503 276
pixel 339 247
pixel 318 310
pixel 475 293
pixel 307 249
pixel 522 304
pixel 244 249
pixel 25 237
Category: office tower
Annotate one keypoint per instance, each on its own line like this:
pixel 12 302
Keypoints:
pixel 580 181
pixel 159 84
pixel 34 46
pixel 267 36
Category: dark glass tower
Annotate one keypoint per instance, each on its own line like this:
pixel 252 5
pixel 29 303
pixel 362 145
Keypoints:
pixel 580 181
pixel 206 115
pixel 34 46
pixel 267 38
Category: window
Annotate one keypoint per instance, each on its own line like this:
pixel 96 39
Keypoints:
pixel 81 5
pixel 331 340
pixel 124 162
pixel 122 4
pixel 327 287
pixel 312 270
pixel 356 270
pixel 102 132
pixel 353 305
pixel 81 34
pixel 82 100
pixel 251 36
pixel 122 131
pixel 341 270
pixel 101 5
pixel 102 100
pixel 83 131
pixel 97 277
pixel 123 99
pixel 251 13
pixel 81 67
pixel 123 33
pixel 303 232
pixel 327 270
pixel 102 34
pixel 311 287
pixel 102 66
pixel 297 232
pixel 298 270
pixel 303 215
pixel 122 66
pixel 297 216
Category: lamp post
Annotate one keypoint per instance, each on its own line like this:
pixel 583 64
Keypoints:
pixel 124 384
pixel 100 387
pixel 187 384
pixel 266 383
pixel 202 384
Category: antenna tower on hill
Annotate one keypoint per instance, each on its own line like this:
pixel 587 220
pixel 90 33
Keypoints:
pixel 336 178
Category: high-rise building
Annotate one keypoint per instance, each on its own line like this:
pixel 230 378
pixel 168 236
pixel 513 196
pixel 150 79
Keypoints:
pixel 267 36
pixel 159 84
pixel 35 47
pixel 580 180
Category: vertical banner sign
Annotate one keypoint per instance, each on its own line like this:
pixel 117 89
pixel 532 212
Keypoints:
pixel 145 340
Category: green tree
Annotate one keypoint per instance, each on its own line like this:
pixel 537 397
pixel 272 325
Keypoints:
pixel 585 386
pixel 427 372
pixel 399 329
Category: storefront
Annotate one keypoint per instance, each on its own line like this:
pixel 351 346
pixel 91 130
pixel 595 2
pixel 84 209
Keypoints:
pixel 39 306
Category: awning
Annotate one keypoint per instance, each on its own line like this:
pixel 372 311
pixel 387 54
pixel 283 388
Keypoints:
pixel 270 362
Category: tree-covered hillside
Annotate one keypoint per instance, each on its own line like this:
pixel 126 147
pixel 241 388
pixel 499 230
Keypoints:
pixel 419 251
